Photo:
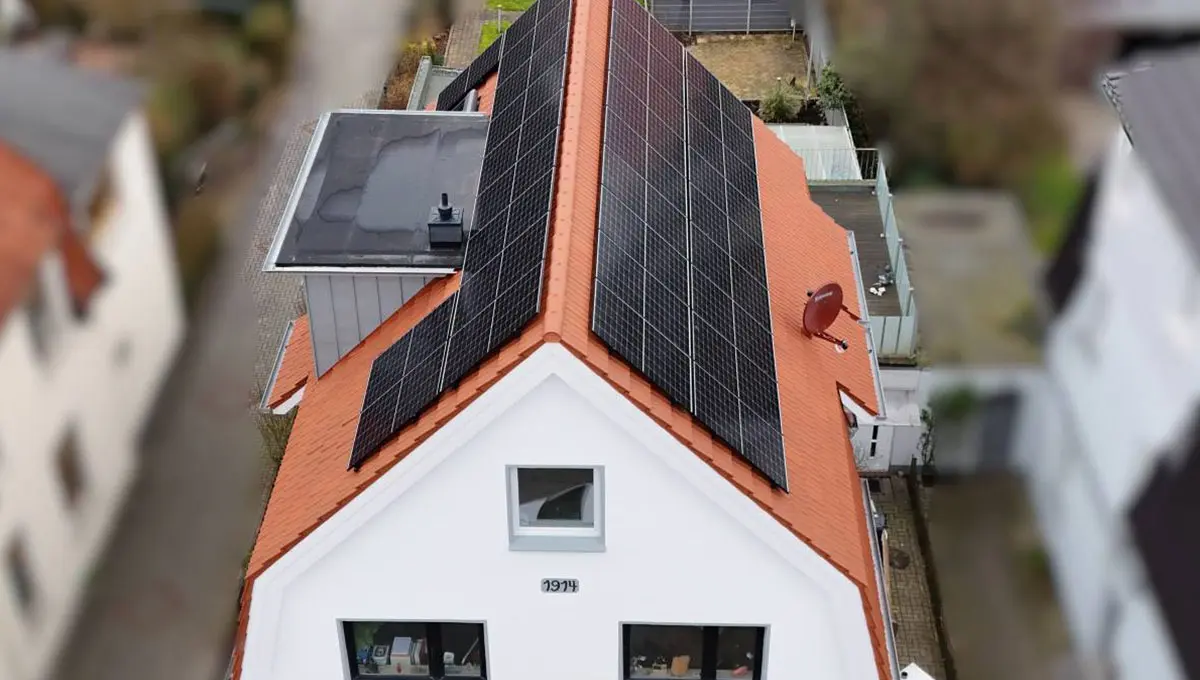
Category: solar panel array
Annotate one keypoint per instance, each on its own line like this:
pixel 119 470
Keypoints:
pixel 500 291
pixel 681 287
pixel 471 77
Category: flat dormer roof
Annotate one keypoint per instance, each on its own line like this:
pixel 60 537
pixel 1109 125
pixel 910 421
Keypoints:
pixel 363 196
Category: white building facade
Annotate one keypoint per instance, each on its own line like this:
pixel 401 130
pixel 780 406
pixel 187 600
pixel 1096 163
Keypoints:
pixel 72 412
pixel 1123 380
pixel 678 564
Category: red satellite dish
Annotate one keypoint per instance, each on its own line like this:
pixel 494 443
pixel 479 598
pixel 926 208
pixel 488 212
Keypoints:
pixel 822 310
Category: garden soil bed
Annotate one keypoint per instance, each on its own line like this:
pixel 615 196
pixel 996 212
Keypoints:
pixel 400 80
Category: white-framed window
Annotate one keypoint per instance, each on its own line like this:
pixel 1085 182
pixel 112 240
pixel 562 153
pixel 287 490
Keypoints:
pixel 555 507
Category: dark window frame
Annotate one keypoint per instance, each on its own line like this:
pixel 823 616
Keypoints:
pixel 68 462
pixel 20 576
pixel 433 637
pixel 39 312
pixel 709 647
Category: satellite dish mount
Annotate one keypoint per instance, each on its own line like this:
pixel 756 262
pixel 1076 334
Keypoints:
pixel 822 309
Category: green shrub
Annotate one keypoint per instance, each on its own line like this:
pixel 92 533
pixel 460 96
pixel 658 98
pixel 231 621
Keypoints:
pixel 509 5
pixel 1049 195
pixel 831 90
pixel 171 111
pixel 217 89
pixel 198 242
pixel 781 105
pixel 274 431
pixel 953 405
pixel 268 33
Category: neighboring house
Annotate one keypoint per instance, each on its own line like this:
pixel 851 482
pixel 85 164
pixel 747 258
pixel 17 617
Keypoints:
pixel 591 443
pixel 1111 483
pixel 90 321
pixel 1100 30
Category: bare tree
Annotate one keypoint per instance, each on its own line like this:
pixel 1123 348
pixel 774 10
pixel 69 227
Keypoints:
pixel 964 87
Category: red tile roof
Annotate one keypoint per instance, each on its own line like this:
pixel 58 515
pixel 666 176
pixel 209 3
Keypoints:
pixel 34 219
pixel 295 366
pixel 805 248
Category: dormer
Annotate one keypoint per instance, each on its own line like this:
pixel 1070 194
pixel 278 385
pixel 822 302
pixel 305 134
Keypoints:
pixel 384 204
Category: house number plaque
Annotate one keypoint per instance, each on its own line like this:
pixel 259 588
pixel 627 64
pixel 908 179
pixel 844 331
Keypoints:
pixel 560 585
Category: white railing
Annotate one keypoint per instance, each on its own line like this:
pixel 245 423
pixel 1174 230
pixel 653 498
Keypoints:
pixel 894 335
pixel 840 165
pixel 872 348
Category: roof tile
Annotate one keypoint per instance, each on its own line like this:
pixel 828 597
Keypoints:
pixel 295 366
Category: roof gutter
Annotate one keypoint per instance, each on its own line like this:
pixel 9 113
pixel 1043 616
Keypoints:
pixel 264 402
pixel 865 321
pixel 880 581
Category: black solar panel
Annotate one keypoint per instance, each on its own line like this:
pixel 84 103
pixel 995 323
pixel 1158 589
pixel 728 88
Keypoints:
pixel 471 77
pixel 681 290
pixel 500 291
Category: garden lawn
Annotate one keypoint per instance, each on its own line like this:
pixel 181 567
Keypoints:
pixel 491 31
pixel 1050 196
pixel 509 5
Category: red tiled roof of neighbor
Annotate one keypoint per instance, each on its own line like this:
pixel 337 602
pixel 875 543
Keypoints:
pixel 35 219
pixel 824 507
pixel 295 366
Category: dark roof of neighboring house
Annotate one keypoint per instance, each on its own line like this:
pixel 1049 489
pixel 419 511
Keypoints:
pixel 1164 520
pixel 1166 15
pixel 62 117
pixel 1157 96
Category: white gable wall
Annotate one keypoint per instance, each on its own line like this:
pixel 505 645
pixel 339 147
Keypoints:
pixel 429 541
pixel 102 378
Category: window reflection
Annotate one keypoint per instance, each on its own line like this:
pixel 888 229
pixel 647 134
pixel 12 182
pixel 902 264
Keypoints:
pixel 736 647
pixel 665 651
pixel 394 650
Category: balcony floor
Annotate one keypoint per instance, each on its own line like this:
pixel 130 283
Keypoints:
pixel 855 207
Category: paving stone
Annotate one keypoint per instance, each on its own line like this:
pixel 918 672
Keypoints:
pixel 914 630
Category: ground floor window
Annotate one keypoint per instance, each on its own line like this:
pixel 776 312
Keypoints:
pixel 414 649
pixel 696 652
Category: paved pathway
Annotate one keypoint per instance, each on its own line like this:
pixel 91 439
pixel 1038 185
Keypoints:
pixel 912 611
pixel 463 44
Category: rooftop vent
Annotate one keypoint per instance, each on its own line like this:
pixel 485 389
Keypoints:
pixel 445 225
